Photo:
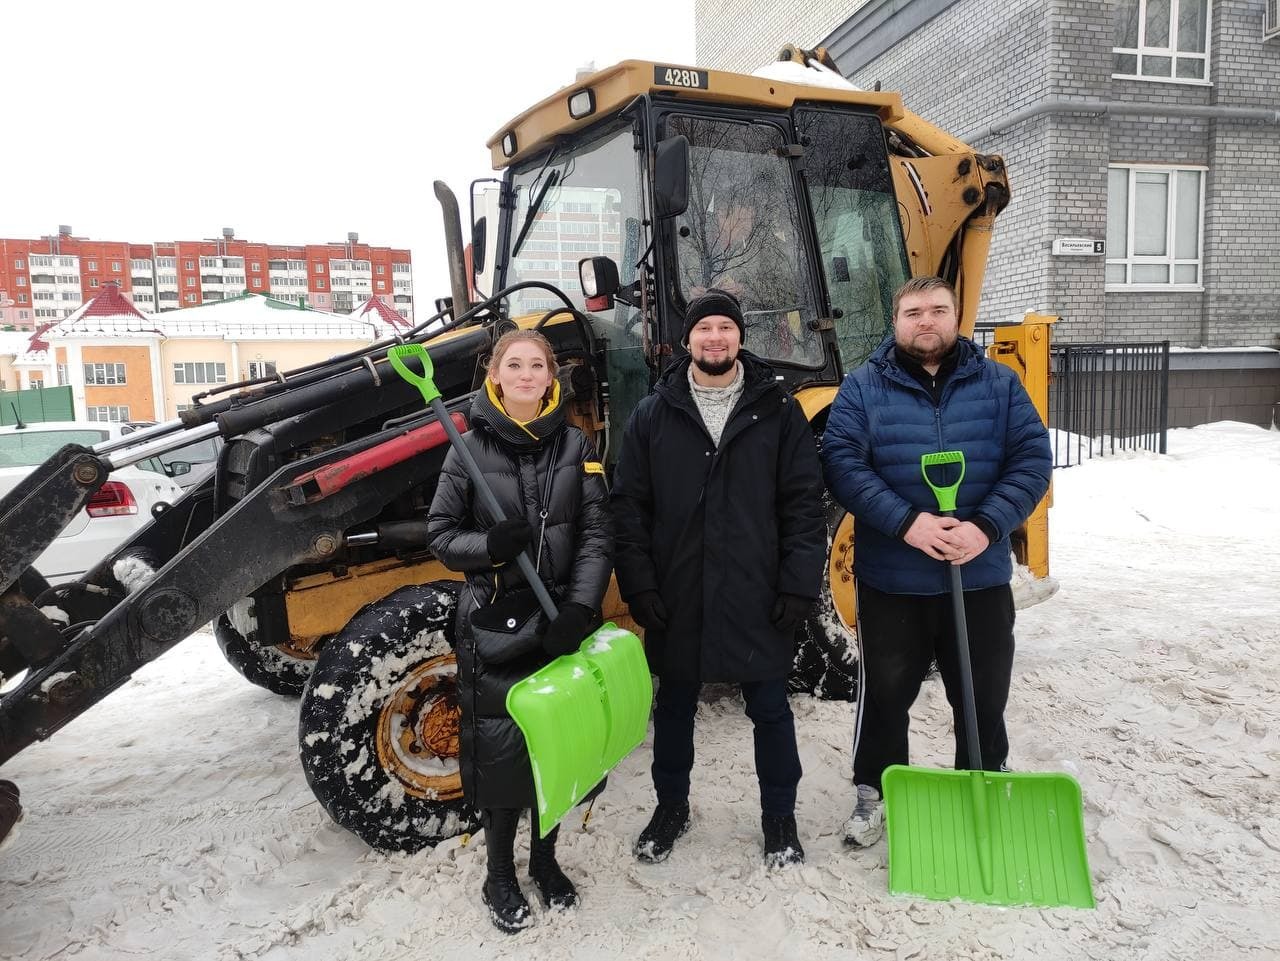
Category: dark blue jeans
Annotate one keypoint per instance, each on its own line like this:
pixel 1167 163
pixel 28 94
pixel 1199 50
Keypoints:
pixel 777 759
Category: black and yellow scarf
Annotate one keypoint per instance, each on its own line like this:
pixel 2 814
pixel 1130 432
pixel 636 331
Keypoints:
pixel 487 411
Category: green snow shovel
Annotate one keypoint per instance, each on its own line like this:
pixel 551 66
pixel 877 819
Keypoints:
pixel 585 711
pixel 986 836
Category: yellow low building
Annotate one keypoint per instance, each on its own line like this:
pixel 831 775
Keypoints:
pixel 123 364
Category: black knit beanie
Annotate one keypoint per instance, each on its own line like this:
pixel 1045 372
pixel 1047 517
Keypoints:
pixel 714 302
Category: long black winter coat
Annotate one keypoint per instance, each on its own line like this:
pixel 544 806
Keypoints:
pixel 577 559
pixel 719 532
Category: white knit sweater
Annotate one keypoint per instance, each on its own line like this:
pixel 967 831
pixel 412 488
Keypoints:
pixel 715 404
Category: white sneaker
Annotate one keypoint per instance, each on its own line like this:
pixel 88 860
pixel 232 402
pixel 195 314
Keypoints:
pixel 866 825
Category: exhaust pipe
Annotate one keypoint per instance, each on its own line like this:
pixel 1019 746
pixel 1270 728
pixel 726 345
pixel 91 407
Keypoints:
pixel 453 248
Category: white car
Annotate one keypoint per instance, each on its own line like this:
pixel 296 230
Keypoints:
pixel 119 508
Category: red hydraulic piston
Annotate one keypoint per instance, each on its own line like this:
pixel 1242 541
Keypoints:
pixel 320 483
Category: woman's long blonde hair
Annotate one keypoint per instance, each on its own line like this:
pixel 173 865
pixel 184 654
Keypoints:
pixel 515 336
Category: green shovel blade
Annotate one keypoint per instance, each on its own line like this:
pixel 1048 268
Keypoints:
pixel 580 716
pixel 1033 834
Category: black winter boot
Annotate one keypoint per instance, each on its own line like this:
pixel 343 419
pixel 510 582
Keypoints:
pixel 556 890
pixel 508 909
pixel 10 812
pixel 669 821
pixel 781 842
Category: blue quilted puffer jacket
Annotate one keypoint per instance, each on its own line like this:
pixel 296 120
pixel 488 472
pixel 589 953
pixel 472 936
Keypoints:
pixel 883 420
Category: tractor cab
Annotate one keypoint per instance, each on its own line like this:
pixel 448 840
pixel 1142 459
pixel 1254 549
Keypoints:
pixel 649 184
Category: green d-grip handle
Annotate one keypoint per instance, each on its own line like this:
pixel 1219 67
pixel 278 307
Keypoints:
pixel 945 493
pixel 424 381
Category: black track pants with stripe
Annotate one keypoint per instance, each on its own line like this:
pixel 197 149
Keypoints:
pixel 899 636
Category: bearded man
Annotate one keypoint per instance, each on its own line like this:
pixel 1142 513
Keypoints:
pixel 926 390
pixel 719 546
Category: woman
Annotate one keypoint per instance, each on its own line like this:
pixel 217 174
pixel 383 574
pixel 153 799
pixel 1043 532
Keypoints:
pixel 551 488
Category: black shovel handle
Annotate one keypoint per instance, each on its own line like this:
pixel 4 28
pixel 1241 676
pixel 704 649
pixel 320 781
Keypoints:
pixel 966 666
pixel 491 504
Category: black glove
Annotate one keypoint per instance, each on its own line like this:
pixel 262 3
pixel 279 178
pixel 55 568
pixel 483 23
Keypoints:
pixel 788 611
pixel 570 628
pixel 648 611
pixel 506 539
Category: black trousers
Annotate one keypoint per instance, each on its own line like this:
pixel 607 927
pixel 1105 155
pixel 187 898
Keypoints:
pixel 777 758
pixel 899 635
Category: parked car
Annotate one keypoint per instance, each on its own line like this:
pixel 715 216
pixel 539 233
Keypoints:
pixel 187 465
pixel 123 505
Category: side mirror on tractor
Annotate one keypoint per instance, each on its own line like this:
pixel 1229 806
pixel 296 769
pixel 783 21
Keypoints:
pixel 671 177
pixel 477 247
pixel 599 278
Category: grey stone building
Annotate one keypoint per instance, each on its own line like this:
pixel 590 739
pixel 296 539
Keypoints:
pixel 1151 126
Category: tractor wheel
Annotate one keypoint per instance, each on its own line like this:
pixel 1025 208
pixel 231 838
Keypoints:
pixel 826 663
pixel 378 731
pixel 279 668
pixel 30 584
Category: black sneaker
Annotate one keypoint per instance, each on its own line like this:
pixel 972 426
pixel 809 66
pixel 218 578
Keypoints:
pixel 781 842
pixel 669 822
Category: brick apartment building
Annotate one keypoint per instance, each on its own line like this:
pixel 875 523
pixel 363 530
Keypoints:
pixel 1150 126
pixel 48 279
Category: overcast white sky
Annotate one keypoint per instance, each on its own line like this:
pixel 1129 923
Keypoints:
pixel 291 121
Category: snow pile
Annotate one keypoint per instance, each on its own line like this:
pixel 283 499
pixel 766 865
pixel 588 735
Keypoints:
pixel 176 813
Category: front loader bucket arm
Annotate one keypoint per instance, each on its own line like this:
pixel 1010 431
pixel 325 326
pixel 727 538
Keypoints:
pixel 41 506
pixel 287 520
pixel 949 197
pixel 43 503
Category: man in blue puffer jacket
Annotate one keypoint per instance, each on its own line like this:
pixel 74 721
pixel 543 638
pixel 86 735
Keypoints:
pixel 924 390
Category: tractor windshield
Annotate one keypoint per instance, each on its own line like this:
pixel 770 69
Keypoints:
pixel 855 215
pixel 742 232
pixel 582 201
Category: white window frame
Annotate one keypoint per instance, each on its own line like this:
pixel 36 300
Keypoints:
pixel 107 413
pixel 1171 226
pixel 215 369
pixel 258 368
pixel 97 374
pixel 1171 51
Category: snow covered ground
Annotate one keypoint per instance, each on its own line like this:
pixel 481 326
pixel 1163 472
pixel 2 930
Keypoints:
pixel 173 820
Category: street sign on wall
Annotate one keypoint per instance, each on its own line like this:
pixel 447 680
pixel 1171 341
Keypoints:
pixel 1079 247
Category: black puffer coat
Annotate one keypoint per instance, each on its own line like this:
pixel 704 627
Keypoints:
pixel 719 532
pixel 577 559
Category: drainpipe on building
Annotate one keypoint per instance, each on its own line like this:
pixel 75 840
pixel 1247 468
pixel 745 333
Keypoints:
pixel 1118 107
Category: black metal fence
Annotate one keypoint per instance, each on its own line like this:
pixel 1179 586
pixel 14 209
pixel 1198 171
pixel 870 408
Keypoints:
pixel 1104 398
